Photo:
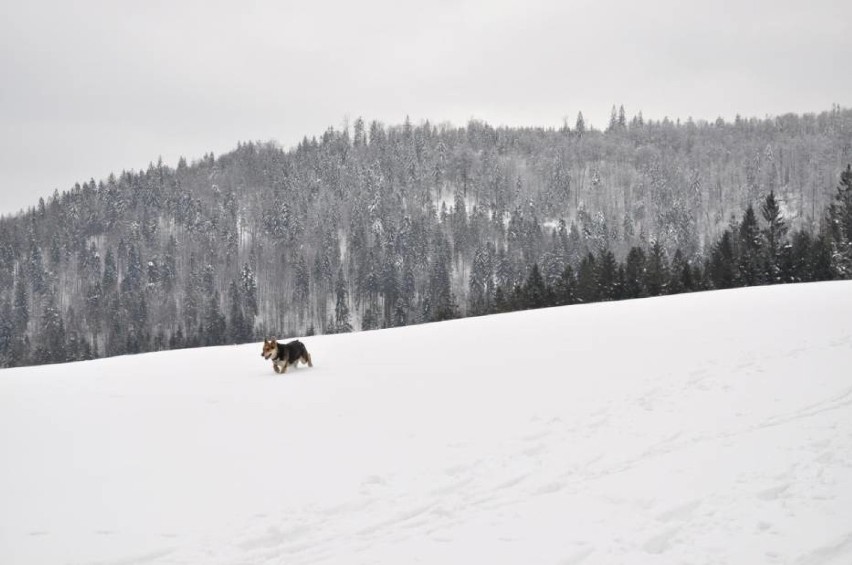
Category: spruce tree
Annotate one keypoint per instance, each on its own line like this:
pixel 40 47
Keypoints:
pixel 657 271
pixel 607 276
pixel 342 323
pixel 676 274
pixel 773 236
pixel 580 125
pixel 722 269
pixel 634 273
pixel 750 258
pixel 535 294
pixel 52 342
pixel 7 333
pixel 840 226
pixel 565 288
pixel 587 280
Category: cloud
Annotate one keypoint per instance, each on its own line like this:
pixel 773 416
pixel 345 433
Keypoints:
pixel 96 87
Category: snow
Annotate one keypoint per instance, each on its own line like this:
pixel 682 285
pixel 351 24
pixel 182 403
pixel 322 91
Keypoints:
pixel 704 428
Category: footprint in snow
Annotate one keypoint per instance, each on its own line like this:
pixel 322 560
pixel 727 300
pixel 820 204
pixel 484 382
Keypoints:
pixel 661 542
pixel 679 512
pixel 773 493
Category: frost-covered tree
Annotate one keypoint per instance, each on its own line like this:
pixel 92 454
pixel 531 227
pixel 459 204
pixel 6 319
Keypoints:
pixel 342 322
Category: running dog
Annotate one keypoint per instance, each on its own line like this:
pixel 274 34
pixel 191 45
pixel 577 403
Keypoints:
pixel 283 355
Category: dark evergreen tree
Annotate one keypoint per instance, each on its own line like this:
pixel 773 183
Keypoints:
pixel 239 327
pixel 481 282
pixel 751 264
pixel 21 309
pixel 534 293
pixel 773 236
pixel 840 226
pixel 722 270
pixel 609 287
pixel 587 283
pixel 801 262
pixel 110 277
pixel 823 260
pixel 634 274
pixel 342 323
pixel 7 334
pixel 215 324
pixel 38 274
pixel 657 271
pixel 52 346
pixel 679 275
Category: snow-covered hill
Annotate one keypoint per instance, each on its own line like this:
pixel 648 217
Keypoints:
pixel 705 428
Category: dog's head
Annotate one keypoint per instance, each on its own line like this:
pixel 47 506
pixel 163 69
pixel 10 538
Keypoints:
pixel 270 348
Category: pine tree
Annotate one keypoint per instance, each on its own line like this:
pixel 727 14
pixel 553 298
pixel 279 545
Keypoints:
pixel 840 226
pixel 722 269
pixel 248 293
pixel 823 261
pixel 580 125
pixel 801 265
pixel 7 334
pixel 368 321
pixel 480 281
pixel 613 120
pixel 534 293
pixel 342 324
pixel 135 274
pixel 607 276
pixel 215 324
pixel 676 282
pixel 52 346
pixel 657 271
pixel 390 289
pixel 749 245
pixel 302 287
pixel 773 236
pixel 238 326
pixel 38 274
pixel 634 274
pixel 110 277
pixel 565 290
pixel 21 309
pixel 587 281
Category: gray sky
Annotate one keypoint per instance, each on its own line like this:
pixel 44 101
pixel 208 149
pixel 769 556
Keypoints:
pixel 92 87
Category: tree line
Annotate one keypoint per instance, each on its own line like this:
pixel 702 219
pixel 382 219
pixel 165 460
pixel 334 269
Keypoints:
pixel 748 253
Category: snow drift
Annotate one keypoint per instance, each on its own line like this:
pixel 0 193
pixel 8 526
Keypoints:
pixel 704 428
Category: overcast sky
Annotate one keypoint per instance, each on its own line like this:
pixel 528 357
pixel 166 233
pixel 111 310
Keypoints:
pixel 88 88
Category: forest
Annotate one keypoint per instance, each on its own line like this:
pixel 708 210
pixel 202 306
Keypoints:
pixel 371 226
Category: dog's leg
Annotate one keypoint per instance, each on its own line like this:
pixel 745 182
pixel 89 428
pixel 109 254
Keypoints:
pixel 276 367
pixel 307 359
pixel 284 367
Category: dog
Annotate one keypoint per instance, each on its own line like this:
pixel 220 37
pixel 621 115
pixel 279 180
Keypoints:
pixel 285 354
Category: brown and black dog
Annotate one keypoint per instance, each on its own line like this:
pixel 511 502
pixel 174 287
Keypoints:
pixel 285 354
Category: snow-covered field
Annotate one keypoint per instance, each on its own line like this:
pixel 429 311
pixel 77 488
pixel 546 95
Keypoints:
pixel 705 428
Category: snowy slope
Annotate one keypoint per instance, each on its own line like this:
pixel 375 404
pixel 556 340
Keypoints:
pixel 706 428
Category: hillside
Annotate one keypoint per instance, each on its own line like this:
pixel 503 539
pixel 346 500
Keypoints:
pixel 705 428
pixel 379 226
